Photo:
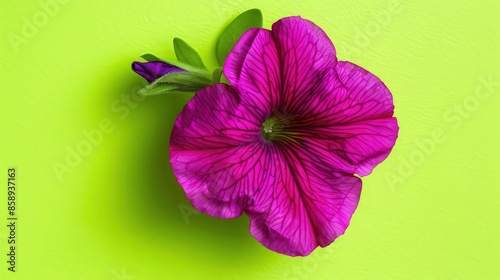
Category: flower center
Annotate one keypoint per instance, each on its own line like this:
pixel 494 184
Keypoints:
pixel 279 128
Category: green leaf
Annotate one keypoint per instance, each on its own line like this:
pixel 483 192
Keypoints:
pixel 249 19
pixel 216 75
pixel 155 89
pixel 164 89
pixel 184 80
pixel 174 83
pixel 186 54
pixel 192 69
pixel 150 57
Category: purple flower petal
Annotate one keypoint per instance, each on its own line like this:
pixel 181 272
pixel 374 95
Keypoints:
pixel 215 151
pixel 351 119
pixel 310 205
pixel 154 69
pixel 305 52
pixel 253 65
pixel 279 67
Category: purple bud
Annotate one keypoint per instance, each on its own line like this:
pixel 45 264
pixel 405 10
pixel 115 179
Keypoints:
pixel 154 69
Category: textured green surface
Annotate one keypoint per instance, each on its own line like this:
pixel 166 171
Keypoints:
pixel 429 212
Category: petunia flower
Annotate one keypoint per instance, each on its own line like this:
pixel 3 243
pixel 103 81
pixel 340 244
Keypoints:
pixel 154 69
pixel 283 143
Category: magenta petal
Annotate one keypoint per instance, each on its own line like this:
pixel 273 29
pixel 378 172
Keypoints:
pixel 253 67
pixel 305 52
pixel 366 96
pixel 214 118
pixel 310 206
pixel 354 148
pixel 213 149
pixel 350 120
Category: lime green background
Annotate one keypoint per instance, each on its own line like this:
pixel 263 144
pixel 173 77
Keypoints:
pixel 119 214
